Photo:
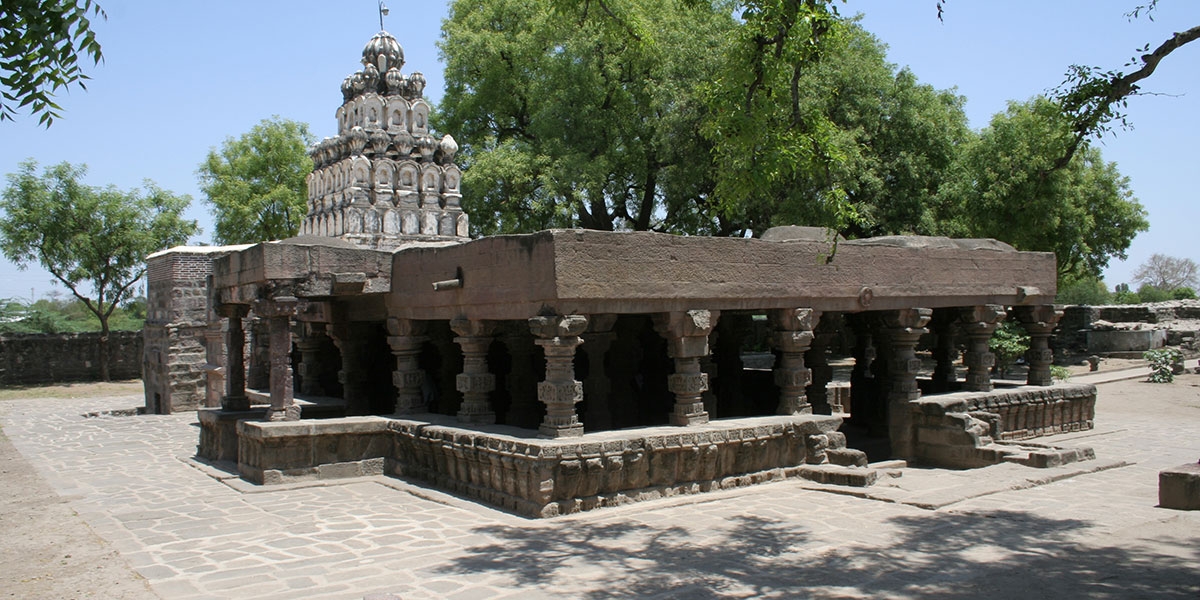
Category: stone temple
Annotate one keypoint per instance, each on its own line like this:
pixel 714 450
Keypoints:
pixel 567 370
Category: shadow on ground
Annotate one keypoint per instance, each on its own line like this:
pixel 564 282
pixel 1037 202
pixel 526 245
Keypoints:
pixel 1001 554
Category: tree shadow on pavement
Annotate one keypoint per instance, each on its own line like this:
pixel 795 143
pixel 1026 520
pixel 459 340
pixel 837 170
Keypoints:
pixel 996 554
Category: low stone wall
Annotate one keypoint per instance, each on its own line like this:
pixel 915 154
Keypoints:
pixel 958 429
pixel 536 477
pixel 60 357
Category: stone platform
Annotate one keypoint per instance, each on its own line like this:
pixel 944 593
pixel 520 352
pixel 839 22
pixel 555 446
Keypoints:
pixel 513 469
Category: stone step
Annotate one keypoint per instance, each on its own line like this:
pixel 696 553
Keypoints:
pixel 847 457
pixel 840 475
pixel 1041 456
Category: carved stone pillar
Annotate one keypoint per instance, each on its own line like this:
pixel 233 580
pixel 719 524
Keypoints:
pixel 980 322
pixel 235 363
pixel 903 328
pixel 686 333
pixel 791 334
pixel 310 355
pixel 817 361
pixel 1039 321
pixel 596 341
pixel 214 368
pixel 258 373
pixel 405 336
pixel 348 338
pixel 475 382
pixel 945 354
pixel 558 336
pixel 861 376
pixel 524 410
pixel 279 312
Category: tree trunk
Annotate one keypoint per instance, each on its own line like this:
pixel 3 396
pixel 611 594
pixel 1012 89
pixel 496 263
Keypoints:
pixel 104 347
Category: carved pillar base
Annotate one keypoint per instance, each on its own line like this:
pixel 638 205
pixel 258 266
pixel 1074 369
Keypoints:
pixel 687 340
pixel 405 339
pixel 979 323
pixel 1039 322
pixel 475 382
pixel 791 334
pixel 560 392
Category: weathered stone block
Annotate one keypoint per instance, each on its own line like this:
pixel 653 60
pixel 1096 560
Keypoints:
pixel 1179 487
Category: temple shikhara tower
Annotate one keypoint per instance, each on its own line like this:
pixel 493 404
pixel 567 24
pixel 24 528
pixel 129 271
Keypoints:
pixel 567 370
pixel 384 179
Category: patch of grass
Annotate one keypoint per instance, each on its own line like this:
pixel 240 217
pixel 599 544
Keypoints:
pixel 91 389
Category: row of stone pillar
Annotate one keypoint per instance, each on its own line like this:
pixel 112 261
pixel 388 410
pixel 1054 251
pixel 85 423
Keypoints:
pixel 799 335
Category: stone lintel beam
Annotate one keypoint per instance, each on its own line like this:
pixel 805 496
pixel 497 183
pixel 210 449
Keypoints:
pixel 687 334
pixel 1039 321
pixel 405 337
pixel 979 323
pixel 558 335
pixel 476 382
pixel 235 361
pixel 903 328
pixel 792 335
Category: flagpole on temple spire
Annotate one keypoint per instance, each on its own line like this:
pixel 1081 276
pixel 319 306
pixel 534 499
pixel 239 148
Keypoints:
pixel 383 11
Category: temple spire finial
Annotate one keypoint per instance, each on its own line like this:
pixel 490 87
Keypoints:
pixel 383 11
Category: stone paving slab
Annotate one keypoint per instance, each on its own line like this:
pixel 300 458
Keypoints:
pixel 193 536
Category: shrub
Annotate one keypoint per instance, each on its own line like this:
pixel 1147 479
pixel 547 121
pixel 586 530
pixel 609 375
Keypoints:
pixel 1060 373
pixel 1008 343
pixel 1183 293
pixel 1149 293
pixel 1162 363
pixel 1091 291
pixel 1126 297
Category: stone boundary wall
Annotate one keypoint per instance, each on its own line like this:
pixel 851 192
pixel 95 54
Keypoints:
pixel 1078 320
pixel 27 358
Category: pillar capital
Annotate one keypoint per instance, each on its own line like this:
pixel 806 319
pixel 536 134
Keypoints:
pixel 906 320
pixel 983 317
pixel 686 332
pixel 468 328
pixel 281 306
pixel 1042 317
pixel 555 326
pixel 233 311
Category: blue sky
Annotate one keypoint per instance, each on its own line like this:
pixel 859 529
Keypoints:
pixel 181 76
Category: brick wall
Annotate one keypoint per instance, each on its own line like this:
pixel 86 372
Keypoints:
pixel 59 357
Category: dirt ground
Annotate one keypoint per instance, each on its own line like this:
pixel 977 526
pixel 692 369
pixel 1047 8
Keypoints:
pixel 47 550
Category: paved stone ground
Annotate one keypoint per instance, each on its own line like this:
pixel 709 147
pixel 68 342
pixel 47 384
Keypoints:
pixel 1095 535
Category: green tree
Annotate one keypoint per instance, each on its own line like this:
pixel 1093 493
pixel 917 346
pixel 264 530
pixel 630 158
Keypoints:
pixel 88 237
pixel 1004 186
pixel 40 44
pixel 1083 290
pixel 567 117
pixel 256 183
pixel 894 139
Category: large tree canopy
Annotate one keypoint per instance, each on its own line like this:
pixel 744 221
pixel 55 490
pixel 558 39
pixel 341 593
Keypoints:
pixel 40 44
pixel 256 182
pixel 1004 185
pixel 731 117
pixel 87 236
pixel 566 121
